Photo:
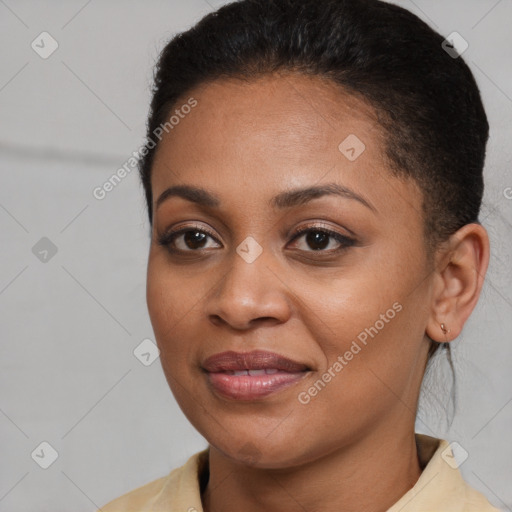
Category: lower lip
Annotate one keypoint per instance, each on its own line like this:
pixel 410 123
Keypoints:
pixel 248 387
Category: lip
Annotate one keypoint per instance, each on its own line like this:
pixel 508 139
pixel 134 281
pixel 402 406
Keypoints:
pixel 255 360
pixel 266 373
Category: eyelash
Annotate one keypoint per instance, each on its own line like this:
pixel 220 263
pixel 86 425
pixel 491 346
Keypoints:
pixel 167 239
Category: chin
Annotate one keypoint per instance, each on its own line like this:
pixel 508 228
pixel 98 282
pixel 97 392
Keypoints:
pixel 260 453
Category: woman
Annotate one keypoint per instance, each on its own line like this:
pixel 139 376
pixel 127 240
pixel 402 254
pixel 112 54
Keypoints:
pixel 313 175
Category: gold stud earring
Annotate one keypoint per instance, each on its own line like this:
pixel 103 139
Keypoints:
pixel 444 329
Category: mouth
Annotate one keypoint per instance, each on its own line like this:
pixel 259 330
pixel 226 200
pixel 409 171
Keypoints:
pixel 252 375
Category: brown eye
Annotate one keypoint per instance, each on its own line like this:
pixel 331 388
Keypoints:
pixel 194 239
pixel 319 239
pixel 187 239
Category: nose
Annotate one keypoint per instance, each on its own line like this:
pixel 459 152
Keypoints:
pixel 248 294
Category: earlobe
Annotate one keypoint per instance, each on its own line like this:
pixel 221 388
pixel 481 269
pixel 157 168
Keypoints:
pixel 458 282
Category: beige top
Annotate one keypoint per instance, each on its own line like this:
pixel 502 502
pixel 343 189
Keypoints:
pixel 440 487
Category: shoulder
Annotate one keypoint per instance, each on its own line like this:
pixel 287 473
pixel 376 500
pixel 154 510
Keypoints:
pixel 170 492
pixel 138 499
pixel 468 498
pixel 440 486
pixel 475 501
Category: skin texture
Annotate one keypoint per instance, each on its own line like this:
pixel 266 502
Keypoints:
pixel 352 446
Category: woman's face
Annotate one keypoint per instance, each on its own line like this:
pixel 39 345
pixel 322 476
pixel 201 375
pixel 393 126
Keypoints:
pixel 348 308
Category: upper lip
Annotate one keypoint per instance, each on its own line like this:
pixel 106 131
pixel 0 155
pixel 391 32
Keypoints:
pixel 255 360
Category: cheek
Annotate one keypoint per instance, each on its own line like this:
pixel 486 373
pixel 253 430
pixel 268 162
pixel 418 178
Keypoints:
pixel 376 356
pixel 373 320
pixel 168 308
pixel 372 372
pixel 168 299
pixel 165 319
pixel 174 303
pixel 355 305
pixel 159 301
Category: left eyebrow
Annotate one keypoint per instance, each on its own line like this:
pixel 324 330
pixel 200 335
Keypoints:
pixel 287 199
pixel 301 196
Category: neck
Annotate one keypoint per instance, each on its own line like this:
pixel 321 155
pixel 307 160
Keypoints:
pixel 370 475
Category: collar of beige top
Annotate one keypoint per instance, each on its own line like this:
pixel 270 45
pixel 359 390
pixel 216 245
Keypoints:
pixel 440 487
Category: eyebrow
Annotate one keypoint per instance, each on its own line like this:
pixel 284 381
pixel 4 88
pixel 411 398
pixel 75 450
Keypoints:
pixel 287 199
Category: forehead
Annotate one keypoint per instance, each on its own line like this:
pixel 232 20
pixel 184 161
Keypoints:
pixel 284 112
pixel 256 138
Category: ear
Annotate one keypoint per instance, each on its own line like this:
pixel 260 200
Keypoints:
pixel 460 270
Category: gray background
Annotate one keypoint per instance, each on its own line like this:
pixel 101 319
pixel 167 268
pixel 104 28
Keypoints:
pixel 69 325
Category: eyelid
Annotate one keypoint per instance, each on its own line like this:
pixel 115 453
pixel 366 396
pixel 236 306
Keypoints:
pixel 165 237
pixel 344 241
pixel 168 237
pixel 321 226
